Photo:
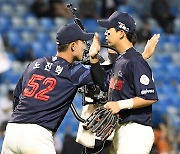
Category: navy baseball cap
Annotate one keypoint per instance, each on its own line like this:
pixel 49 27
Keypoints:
pixel 119 20
pixel 70 33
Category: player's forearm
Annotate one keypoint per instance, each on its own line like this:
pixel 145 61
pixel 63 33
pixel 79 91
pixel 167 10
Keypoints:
pixel 135 102
pixel 99 76
pixel 140 102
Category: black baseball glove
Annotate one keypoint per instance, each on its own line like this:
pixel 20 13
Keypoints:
pixel 101 122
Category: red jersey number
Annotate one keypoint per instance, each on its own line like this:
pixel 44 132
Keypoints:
pixel 34 85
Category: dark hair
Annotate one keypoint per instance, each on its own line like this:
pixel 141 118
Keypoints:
pixel 62 48
pixel 132 37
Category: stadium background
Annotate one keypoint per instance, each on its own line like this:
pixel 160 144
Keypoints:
pixel 24 37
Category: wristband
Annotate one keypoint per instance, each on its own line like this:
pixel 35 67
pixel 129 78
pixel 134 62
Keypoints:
pixel 126 104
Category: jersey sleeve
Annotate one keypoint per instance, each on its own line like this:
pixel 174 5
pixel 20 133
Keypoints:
pixel 81 75
pixel 101 76
pixel 143 80
pixel 18 88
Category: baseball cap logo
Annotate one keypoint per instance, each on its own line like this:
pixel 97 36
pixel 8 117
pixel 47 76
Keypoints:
pixel 120 20
pixel 123 26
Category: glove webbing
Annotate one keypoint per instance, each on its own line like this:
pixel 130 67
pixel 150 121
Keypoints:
pixel 107 114
pixel 90 122
pixel 106 132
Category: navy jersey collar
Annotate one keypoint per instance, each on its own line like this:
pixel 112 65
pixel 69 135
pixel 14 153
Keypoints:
pixel 130 49
pixel 61 59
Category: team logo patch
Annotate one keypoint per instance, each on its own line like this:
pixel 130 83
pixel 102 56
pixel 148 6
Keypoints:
pixel 144 80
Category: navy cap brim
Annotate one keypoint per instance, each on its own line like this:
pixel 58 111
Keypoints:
pixel 87 36
pixel 104 23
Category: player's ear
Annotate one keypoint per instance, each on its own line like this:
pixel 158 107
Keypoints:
pixel 121 34
pixel 73 46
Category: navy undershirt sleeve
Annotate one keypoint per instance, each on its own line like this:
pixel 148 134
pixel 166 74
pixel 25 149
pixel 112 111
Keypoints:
pixel 99 76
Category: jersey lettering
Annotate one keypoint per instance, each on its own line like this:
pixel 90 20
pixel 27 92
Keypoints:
pixel 37 65
pixel 48 66
pixel 34 85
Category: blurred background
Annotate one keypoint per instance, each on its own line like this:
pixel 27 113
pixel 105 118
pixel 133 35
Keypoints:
pixel 28 31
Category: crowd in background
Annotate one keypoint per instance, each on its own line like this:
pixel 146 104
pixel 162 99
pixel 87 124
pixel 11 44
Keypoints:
pixel 163 12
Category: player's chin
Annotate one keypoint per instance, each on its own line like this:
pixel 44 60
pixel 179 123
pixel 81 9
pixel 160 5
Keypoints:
pixel 108 43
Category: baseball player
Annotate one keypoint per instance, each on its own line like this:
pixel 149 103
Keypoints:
pixel 44 94
pixel 102 147
pixel 131 87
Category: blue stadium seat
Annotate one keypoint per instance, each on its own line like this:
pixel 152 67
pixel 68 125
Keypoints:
pixel 176 101
pixel 11 77
pixel 7 9
pixel 163 103
pixel 159 69
pixel 38 49
pixel 176 122
pixel 174 10
pixel 51 48
pixel 169 90
pixel 46 23
pixel 173 38
pixel 173 68
pixel 74 126
pixel 102 37
pixel 11 56
pixel 59 21
pixel 169 47
pixel 161 79
pixel 163 39
pixel 63 127
pixel 31 21
pixel 5 23
pixel 177 25
pixel 21 9
pixel 78 101
pixel 157 116
pixel 126 8
pixel 28 35
pixel 14 38
pixel 90 24
pixel 22 51
pixel 153 23
pixel 160 109
pixel 17 21
pixel 42 37
pixel 163 59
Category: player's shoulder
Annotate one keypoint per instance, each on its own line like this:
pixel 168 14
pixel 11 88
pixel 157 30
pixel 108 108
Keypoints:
pixel 45 60
pixel 80 65
pixel 134 55
pixel 40 60
pixel 78 68
pixel 135 58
